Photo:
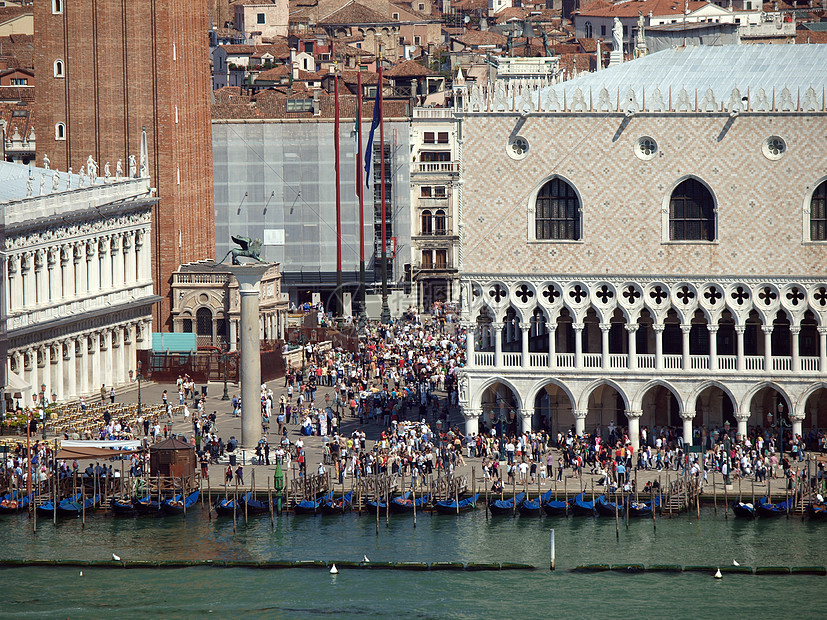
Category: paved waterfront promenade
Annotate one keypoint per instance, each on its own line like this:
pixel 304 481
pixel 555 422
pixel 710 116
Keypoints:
pixel 228 426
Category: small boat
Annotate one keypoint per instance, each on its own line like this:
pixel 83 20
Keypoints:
pixel 580 507
pixel 767 509
pixel 10 502
pixel 225 507
pixel 148 505
pixel 556 508
pixel 533 507
pixel 450 507
pixel 500 507
pixel 74 506
pixel 123 507
pixel 338 505
pixel 47 509
pixel 606 508
pixel 372 506
pixel 404 503
pixel 178 504
pixel 817 510
pixel 311 506
pixel 743 510
pixel 255 506
pixel 643 509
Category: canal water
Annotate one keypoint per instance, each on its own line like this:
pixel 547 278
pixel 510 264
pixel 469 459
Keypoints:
pixel 47 592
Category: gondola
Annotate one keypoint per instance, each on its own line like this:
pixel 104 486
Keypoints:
pixel 817 510
pixel 765 508
pixel 449 507
pixel 405 503
pixel 147 505
pixel 338 505
pixel 123 507
pixel 47 508
pixel 580 507
pixel 556 508
pixel 533 507
pixel 311 506
pixel 255 506
pixel 504 507
pixel 178 504
pixel 643 509
pixel 73 507
pixel 372 506
pixel 743 510
pixel 606 508
pixel 225 507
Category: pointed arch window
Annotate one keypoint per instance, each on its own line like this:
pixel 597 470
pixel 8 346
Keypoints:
pixel 557 214
pixel 818 213
pixel 691 212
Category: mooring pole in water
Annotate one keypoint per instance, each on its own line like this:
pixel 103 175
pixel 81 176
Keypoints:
pixel 553 554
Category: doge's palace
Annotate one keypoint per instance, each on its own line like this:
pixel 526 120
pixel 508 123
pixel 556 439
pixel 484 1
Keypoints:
pixel 646 245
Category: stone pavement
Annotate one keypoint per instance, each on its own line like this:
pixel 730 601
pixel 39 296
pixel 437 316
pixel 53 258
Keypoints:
pixel 230 426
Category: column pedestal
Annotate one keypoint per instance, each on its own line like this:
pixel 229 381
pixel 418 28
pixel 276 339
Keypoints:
pixel 687 427
pixel 580 421
pixel 249 277
pixel 633 418
pixel 472 420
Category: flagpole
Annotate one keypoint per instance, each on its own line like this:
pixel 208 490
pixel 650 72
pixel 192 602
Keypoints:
pixel 339 305
pixel 361 193
pixel 386 313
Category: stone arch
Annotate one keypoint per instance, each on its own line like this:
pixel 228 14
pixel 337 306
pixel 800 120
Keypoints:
pixel 476 400
pixel 807 206
pixel 583 402
pixel 637 399
pixel 550 412
pixel 744 406
pixel 801 402
pixel 814 416
pixel 701 387
pixel 667 401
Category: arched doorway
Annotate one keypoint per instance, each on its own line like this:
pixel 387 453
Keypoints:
pixel 203 327
pixel 815 417
pixel 766 407
pixel 553 410
pixel 500 410
pixel 606 410
pixel 660 408
pixel 714 413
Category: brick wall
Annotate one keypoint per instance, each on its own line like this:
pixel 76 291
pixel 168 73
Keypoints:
pixel 128 66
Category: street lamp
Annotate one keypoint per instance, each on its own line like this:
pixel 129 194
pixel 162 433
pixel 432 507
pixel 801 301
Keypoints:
pixel 301 344
pixel 137 377
pixel 226 395
pixel 781 425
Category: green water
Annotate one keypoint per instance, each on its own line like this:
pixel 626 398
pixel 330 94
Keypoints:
pixel 712 540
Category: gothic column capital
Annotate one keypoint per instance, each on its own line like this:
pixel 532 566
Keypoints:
pixel 767 329
pixel 687 415
pixel 497 326
pixel 712 327
pixel 632 327
pixel 605 327
pixel 740 329
pixel 526 413
pixel 525 325
pixel 551 326
pixel 686 328
pixel 471 414
pixel 580 414
pixel 658 328
pixel 822 330
pixel 795 330
pixel 634 413
pixel 578 327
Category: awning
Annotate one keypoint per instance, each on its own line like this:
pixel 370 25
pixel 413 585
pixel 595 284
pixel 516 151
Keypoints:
pixel 90 453
pixel 14 383
pixel 117 444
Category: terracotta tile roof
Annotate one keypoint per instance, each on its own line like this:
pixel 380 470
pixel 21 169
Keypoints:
pixel 272 103
pixel 804 36
pixel 581 62
pixel 601 8
pixel 368 77
pixel 273 75
pixel 351 51
pixel 470 5
pixel 7 13
pixel 248 2
pixel 355 13
pixel 474 38
pixel 409 68
pixel 19 47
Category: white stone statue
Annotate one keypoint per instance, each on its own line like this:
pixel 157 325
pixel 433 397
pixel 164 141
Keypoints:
pixel 133 167
pixel 463 389
pixel 617 36
pixel 91 170
pixel 106 173
pixel 82 175
pixel 55 181
pixel 45 162
pixel 69 179
pixel 29 182
pixel 118 170
pixel 42 184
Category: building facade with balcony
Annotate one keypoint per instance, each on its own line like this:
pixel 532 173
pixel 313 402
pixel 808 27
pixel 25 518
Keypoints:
pixel 434 200
pixel 78 290
pixel 644 246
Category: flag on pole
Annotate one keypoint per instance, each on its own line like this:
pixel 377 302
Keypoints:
pixel 374 124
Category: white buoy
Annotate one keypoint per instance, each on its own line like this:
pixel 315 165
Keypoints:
pixel 81 574
pixel 718 574
pixel 365 559
pixel 334 570
pixel 116 558
pixel 735 563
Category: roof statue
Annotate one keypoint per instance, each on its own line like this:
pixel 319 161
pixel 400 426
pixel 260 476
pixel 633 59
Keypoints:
pixel 617 35
pixel 248 248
